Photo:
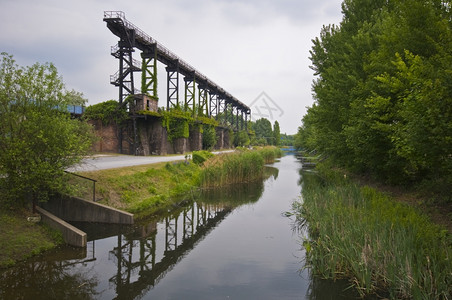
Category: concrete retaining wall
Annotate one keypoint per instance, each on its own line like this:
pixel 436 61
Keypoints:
pixel 71 235
pixel 79 210
pixel 153 138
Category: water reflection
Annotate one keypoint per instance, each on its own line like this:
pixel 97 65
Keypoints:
pixel 139 265
pixel 138 258
pixel 51 277
pixel 252 255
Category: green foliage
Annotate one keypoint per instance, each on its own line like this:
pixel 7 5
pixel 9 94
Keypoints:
pixel 232 168
pixel 269 154
pixel 177 123
pixel 238 167
pixel 199 157
pixel 209 137
pixel 38 141
pixel 382 94
pixel 241 139
pixel 382 246
pixel 23 239
pixel 264 132
pixel 109 112
pixel 276 134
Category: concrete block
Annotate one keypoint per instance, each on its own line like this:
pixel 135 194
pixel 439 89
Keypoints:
pixel 71 235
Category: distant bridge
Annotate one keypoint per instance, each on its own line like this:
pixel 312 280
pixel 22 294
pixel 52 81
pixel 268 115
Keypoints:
pixel 212 100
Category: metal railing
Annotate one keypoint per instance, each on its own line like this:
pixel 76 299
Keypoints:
pixel 80 191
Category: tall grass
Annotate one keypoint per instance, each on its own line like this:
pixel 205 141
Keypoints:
pixel 232 168
pixel 270 153
pixel 383 247
pixel 145 189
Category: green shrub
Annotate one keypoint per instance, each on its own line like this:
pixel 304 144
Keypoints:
pixel 199 157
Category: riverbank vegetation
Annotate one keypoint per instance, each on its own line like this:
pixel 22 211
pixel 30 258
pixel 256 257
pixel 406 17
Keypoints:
pixel 383 104
pixel 39 139
pixel 382 246
pixel 144 190
pixel 383 112
pixel 21 238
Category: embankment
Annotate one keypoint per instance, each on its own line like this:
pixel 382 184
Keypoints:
pixel 382 246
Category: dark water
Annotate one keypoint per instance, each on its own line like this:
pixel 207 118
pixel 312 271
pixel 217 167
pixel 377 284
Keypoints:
pixel 232 243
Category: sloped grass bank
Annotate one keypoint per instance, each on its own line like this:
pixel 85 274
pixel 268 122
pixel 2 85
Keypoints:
pixel 145 190
pixel 21 239
pixel 384 247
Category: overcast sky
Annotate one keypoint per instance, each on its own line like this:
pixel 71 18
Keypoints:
pixel 257 50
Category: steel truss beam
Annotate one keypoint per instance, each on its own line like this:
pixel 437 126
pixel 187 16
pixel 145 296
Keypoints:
pixel 173 85
pixel 203 107
pixel 213 104
pixel 171 233
pixel 123 78
pixel 190 84
pixel 221 116
pixel 137 38
pixel 149 72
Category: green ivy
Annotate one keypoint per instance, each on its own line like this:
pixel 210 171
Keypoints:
pixel 177 123
pixel 107 112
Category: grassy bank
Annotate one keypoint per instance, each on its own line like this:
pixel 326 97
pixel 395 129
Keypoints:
pixel 21 239
pixel 384 247
pixel 144 190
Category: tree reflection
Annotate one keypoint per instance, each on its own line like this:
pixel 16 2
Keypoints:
pixel 49 279
pixel 140 266
pixel 140 255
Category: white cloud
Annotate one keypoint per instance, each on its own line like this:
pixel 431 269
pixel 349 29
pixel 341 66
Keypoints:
pixel 246 47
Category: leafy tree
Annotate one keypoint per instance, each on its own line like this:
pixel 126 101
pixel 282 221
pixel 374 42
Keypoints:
pixel 209 137
pixel 287 140
pixel 276 134
pixel 383 93
pixel 264 132
pixel 38 138
pixel 241 139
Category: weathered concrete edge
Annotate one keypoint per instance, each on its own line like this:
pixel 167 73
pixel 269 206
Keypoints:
pixel 98 212
pixel 71 235
pixel 80 210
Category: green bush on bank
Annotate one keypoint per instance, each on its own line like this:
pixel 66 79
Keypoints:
pixel 199 157
pixel 380 245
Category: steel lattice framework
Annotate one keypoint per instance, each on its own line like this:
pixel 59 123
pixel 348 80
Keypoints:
pixel 212 99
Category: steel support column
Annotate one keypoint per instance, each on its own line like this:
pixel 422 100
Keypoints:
pixel 221 116
pixel 124 77
pixel 189 93
pixel 171 233
pixel 202 109
pixel 237 128
pixel 149 72
pixel 213 103
pixel 173 85
pixel 246 119
pixel 242 125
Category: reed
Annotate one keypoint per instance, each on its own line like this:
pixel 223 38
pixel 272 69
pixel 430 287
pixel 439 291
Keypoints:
pixel 382 246
pixel 232 168
pixel 270 153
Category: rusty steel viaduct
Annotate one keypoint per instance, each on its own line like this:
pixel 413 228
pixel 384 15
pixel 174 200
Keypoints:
pixel 202 95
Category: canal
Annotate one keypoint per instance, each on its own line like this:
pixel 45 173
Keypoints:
pixel 233 243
